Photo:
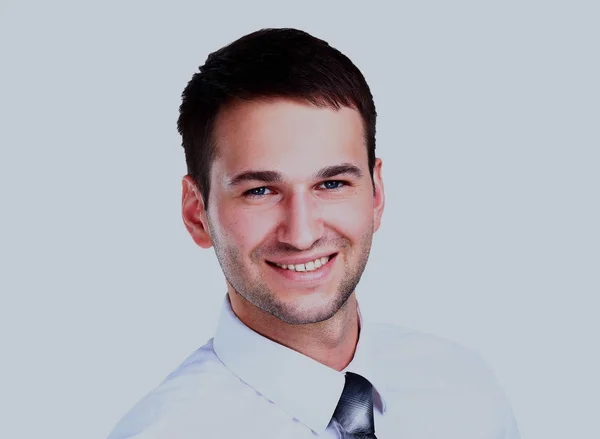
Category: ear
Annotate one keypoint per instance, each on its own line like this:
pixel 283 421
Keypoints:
pixel 379 198
pixel 193 212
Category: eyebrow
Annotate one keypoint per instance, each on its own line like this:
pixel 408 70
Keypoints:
pixel 277 177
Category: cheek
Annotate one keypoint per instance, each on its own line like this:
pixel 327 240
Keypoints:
pixel 351 219
pixel 243 229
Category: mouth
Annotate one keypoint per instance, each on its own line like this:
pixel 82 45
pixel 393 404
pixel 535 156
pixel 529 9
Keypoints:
pixel 312 271
pixel 310 266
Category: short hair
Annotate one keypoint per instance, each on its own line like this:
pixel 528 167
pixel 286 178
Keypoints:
pixel 269 63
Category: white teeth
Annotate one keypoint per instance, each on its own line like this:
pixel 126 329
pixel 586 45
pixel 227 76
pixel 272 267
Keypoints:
pixel 309 266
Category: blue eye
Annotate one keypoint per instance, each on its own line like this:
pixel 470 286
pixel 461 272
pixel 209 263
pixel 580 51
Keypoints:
pixel 256 192
pixel 263 191
pixel 333 184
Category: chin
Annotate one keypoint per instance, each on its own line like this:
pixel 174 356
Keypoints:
pixel 306 308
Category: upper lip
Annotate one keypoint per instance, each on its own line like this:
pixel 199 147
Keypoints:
pixel 300 260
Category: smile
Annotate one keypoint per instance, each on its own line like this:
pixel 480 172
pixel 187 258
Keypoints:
pixel 309 266
pixel 308 273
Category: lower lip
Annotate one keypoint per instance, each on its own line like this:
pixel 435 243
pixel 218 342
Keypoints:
pixel 306 276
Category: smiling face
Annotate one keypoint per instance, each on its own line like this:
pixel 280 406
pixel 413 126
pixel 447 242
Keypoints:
pixel 291 212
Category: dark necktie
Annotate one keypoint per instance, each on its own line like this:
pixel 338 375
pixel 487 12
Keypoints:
pixel 354 411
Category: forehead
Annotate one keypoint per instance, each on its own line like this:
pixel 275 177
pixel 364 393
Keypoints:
pixel 292 137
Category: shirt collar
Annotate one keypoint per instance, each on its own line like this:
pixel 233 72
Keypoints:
pixel 304 388
pixel 364 361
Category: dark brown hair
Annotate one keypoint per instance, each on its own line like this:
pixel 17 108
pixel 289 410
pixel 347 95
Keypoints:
pixel 269 63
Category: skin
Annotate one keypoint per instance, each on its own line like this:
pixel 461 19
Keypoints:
pixel 296 216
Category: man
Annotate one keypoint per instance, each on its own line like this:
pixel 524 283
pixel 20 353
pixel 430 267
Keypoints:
pixel 279 136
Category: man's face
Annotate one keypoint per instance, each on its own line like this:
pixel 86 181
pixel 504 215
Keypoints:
pixel 291 186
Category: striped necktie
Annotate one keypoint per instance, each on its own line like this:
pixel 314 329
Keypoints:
pixel 354 411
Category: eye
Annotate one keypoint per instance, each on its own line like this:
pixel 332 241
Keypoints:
pixel 333 184
pixel 256 192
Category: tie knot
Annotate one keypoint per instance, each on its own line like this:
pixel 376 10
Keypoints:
pixel 354 411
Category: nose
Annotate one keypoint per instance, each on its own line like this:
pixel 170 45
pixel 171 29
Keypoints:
pixel 302 224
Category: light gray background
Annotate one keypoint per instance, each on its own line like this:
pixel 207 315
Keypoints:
pixel 489 130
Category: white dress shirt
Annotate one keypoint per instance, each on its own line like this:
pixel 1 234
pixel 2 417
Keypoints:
pixel 243 385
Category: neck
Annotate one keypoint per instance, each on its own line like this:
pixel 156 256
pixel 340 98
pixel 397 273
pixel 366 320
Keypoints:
pixel 331 342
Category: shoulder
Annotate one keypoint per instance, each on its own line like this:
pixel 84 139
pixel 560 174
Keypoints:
pixel 439 376
pixel 199 383
pixel 423 355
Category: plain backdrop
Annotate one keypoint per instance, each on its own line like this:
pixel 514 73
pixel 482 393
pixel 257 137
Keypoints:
pixel 489 116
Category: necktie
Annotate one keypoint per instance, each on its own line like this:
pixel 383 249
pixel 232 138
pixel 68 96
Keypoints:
pixel 354 411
